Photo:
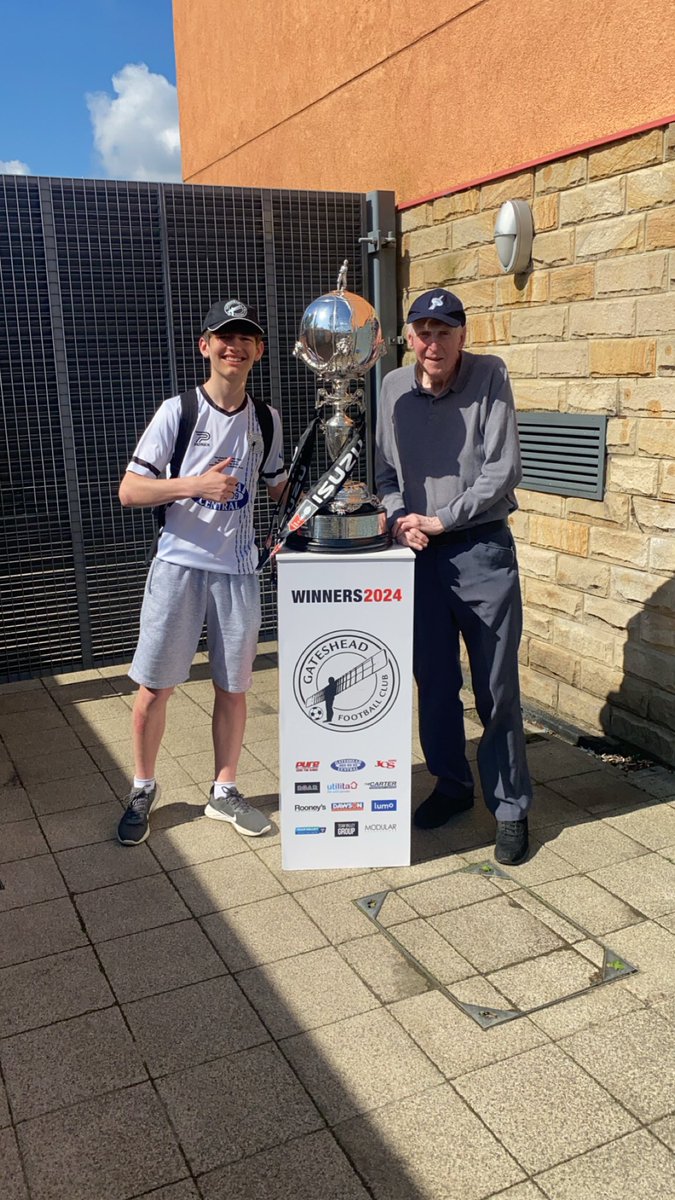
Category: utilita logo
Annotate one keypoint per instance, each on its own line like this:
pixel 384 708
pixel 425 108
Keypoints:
pixel 343 787
pixel 305 788
pixel 347 806
pixel 387 764
pixel 348 764
pixel 381 806
pixel 346 829
pixel 307 766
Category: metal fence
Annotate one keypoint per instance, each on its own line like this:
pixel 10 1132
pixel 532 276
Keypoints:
pixel 103 288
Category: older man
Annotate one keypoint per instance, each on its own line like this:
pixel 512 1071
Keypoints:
pixel 446 465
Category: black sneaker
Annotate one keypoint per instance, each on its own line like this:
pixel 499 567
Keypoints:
pixel 438 808
pixel 512 842
pixel 135 825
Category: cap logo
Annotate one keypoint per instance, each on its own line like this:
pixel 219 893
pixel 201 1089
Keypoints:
pixel 436 302
pixel 235 308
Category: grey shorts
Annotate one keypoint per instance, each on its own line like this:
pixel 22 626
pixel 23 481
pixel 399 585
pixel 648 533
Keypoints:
pixel 177 602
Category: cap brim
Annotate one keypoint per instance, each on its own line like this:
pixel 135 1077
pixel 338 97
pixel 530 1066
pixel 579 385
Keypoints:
pixel 242 322
pixel 453 321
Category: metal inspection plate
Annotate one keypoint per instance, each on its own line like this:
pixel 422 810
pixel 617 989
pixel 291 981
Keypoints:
pixel 493 947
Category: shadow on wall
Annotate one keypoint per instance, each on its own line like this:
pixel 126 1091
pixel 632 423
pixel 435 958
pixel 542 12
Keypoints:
pixel 642 711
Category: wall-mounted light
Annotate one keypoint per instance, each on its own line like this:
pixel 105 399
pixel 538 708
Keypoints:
pixel 514 231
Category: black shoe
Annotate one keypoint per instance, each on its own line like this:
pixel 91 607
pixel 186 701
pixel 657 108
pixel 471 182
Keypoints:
pixel 135 824
pixel 512 843
pixel 438 808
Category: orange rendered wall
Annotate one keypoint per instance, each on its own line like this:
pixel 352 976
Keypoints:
pixel 352 96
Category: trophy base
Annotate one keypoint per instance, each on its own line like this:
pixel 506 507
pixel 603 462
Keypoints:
pixel 342 533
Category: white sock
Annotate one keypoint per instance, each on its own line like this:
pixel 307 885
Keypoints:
pixel 146 784
pixel 221 788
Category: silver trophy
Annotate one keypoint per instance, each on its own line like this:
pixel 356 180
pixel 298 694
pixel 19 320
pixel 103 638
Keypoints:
pixel 341 339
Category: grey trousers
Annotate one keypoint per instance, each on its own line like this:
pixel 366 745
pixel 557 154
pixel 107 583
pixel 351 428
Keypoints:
pixel 471 587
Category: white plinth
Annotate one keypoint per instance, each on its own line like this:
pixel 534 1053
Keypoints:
pixel 345 679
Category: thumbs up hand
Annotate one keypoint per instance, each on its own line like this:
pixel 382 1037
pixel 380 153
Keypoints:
pixel 215 485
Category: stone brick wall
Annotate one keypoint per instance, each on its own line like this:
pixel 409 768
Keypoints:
pixel 590 328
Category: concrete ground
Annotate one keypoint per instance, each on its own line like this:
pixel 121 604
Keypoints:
pixel 185 1019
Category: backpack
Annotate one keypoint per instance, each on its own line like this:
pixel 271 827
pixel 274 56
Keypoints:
pixel 189 404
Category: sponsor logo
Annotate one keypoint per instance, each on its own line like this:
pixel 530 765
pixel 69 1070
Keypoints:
pixel 202 437
pixel 304 788
pixel 310 829
pixel 343 787
pixel 346 680
pixel 379 828
pixel 382 806
pixel 347 806
pixel 380 785
pixel 348 764
pixel 310 808
pixel 387 764
pixel 307 766
pixel 346 829
pixel 239 500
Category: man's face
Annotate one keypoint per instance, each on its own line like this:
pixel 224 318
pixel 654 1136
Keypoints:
pixel 231 352
pixel 437 348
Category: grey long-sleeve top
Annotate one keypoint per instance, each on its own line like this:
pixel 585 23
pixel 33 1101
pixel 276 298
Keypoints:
pixel 455 456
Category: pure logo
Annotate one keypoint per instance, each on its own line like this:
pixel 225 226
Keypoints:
pixel 346 681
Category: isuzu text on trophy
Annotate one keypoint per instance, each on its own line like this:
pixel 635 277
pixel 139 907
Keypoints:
pixel 340 339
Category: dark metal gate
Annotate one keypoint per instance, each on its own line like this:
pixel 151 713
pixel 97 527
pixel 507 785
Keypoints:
pixel 103 288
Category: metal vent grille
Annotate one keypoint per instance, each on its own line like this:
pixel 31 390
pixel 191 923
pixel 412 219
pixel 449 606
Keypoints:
pixel 103 285
pixel 563 453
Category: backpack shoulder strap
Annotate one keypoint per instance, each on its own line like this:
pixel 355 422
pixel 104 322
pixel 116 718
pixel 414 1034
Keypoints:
pixel 189 405
pixel 264 414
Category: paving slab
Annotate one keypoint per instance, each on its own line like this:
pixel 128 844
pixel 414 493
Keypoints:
pixel 236 1106
pixel 195 841
pixel 74 1154
pixel 601 791
pixel 359 1064
pixel 23 745
pixel 541 866
pixel 653 826
pixel 225 883
pixel 665 1130
pixel 130 907
pixel 304 1169
pixel 69 1061
pixel 39 929
pixel 29 881
pixel 427 945
pixel 495 933
pixel 590 844
pixel 199 765
pixel 453 1040
pixel 262 932
pixel 550 808
pixel 637 1166
pixel 551 758
pixel 82 826
pixel 589 904
pixel 546 979
pixel 554 1109
pixel 4 1108
pixel 98 865
pixel 158 960
pixel 304 992
pixel 427 1147
pixel 383 968
pixel 298 881
pixel 61 795
pixel 633 1057
pixel 12 1185
pixel 646 883
pixel 44 768
pixel 331 906
pixel 193 1024
pixel 14 805
pixel 580 1012
pixel 51 989
pixel 185 1190
pixel 21 839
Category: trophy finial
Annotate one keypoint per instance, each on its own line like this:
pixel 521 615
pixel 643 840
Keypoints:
pixel 342 277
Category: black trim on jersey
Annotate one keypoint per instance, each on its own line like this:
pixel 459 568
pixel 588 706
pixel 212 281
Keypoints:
pixel 272 474
pixel 142 463
pixel 235 411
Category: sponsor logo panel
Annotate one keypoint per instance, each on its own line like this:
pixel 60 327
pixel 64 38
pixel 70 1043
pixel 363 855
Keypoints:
pixel 307 766
pixel 302 829
pixel 348 764
pixel 381 785
pixel 346 829
pixel 382 806
pixel 347 806
pixel 352 786
pixel 307 788
pixel 379 827
pixel 310 808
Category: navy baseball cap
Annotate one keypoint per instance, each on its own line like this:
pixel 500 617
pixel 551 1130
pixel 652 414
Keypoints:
pixel 232 312
pixel 438 305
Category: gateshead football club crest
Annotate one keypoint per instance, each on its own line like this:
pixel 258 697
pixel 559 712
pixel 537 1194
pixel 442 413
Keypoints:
pixel 346 680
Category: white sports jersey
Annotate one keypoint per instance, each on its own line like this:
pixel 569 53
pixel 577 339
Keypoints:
pixel 204 533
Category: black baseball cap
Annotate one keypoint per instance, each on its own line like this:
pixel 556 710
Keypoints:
pixel 438 305
pixel 231 312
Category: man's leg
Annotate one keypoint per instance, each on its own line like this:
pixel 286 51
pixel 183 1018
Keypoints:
pixel 228 724
pixel 148 723
pixel 489 611
pixel 233 624
pixel 438 674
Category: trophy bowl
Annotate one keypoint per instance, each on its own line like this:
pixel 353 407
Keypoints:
pixel 340 339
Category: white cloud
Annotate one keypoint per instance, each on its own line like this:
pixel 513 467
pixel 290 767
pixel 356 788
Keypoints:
pixel 13 166
pixel 136 133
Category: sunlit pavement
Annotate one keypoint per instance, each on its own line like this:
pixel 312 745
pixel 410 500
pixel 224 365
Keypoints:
pixel 185 1019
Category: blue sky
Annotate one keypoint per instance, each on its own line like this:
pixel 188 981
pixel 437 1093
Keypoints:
pixel 56 54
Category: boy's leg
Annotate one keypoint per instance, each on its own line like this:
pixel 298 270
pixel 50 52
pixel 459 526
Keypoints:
pixel 228 724
pixel 148 722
